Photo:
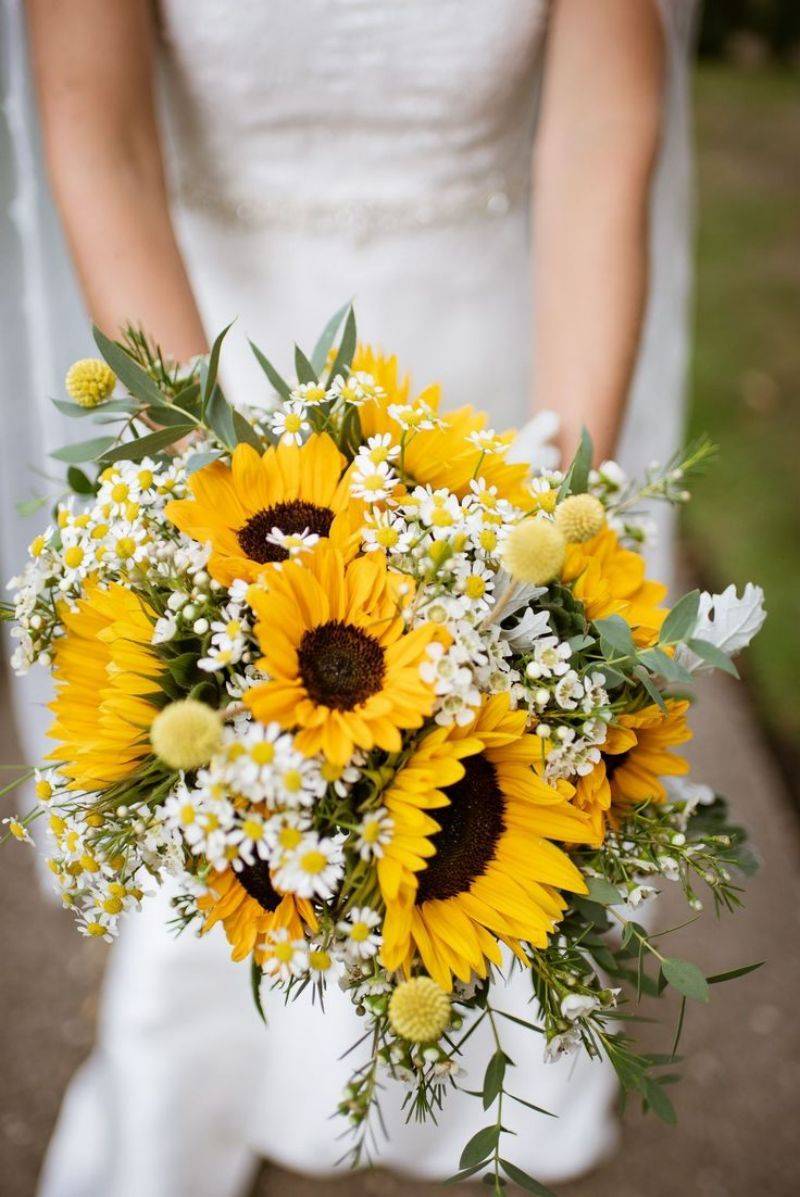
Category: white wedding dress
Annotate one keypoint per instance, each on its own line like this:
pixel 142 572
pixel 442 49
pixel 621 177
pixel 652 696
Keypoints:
pixel 323 149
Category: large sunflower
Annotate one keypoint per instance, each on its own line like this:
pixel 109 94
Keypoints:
pixel 610 580
pixel 250 908
pixel 105 672
pixel 289 488
pixel 443 456
pixel 482 868
pixel 636 755
pixel 341 666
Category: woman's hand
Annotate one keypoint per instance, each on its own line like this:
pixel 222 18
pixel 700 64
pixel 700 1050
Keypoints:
pixel 93 63
pixel 595 151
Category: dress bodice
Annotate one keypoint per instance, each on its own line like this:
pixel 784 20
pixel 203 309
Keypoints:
pixel 351 111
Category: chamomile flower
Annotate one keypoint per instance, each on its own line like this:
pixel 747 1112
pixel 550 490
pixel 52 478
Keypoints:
pixel 17 829
pixel 251 838
pixel 361 941
pixel 294 543
pixel 374 482
pixel 309 394
pixel 414 417
pixel 374 833
pixel 320 961
pixel 312 869
pixel 379 448
pixel 289 423
pixel 285 957
pixel 386 531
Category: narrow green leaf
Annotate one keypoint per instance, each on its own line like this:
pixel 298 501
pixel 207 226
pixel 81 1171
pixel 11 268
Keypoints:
pixel 209 375
pixel 644 677
pixel 189 399
pixel 531 1106
pixel 218 415
pixel 464 1174
pixel 658 1102
pixel 493 1080
pixel 686 978
pixel 576 479
pixel 713 655
pixel 79 482
pixel 84 450
pixel 682 619
pixel 167 416
pixel 129 372
pixel 347 347
pixel 256 972
pixel 327 337
pixel 75 411
pixel 616 634
pixel 734 973
pixel 244 432
pixel 279 384
pixel 660 663
pixel 481 1145
pixel 305 371
pixel 143 446
pixel 525 1181
pixel 603 892
pixel 26 507
pixel 199 460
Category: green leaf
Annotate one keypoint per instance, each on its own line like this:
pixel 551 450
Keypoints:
pixel 279 384
pixel 189 399
pixel 70 408
pixel 347 347
pixel 26 507
pixel 305 371
pixel 84 450
pixel 166 416
pixel 464 1174
pixel 613 677
pixel 658 1101
pixel 734 973
pixel 615 634
pixel 577 477
pixel 218 415
pixel 493 1080
pixel 79 482
pixel 531 1106
pixel 682 619
pixel 686 978
pixel 129 372
pixel 713 655
pixel 660 663
pixel 198 461
pixel 644 677
pixel 209 375
pixel 525 1181
pixel 256 973
pixel 480 1146
pixel 143 446
pixel 244 432
pixel 603 892
pixel 327 337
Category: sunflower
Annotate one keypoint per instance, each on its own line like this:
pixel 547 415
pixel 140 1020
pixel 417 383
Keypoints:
pixel 341 666
pixel 291 489
pixel 636 755
pixel 483 867
pixel 610 580
pixel 442 456
pixel 106 674
pixel 250 909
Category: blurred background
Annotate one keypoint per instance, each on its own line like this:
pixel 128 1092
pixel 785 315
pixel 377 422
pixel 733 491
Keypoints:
pixel 736 1133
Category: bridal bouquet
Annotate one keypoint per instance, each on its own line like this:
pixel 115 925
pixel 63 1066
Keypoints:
pixel 392 710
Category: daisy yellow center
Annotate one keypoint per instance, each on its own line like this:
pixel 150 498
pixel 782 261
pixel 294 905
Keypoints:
pixel 341 665
pixel 359 932
pixel 293 422
pixel 284 951
pixel 313 862
pixel 255 879
pixel 470 828
pixel 289 838
pixel 319 960
pixel 263 754
pixel 292 518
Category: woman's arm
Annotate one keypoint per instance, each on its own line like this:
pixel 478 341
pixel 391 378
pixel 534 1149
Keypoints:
pixel 596 147
pixel 93 62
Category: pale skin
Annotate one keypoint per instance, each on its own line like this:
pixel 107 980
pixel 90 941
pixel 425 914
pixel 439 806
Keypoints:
pixel 593 161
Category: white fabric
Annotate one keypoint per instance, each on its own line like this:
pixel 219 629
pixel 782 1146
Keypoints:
pixel 321 149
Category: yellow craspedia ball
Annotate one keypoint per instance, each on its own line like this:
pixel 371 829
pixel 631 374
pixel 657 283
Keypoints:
pixel 419 1010
pixel 580 517
pixel 534 552
pixel 186 734
pixel 90 382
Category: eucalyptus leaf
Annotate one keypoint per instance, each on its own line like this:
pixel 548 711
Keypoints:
pixel 244 432
pixel 576 479
pixel 189 399
pixel 682 619
pixel 713 656
pixel 327 337
pixel 278 383
pixel 84 450
pixel 210 373
pixel 79 482
pixel 603 892
pixel 733 973
pixel 347 347
pixel 493 1080
pixel 26 507
pixel 644 677
pixel 615 634
pixel 198 461
pixel 480 1146
pixel 143 446
pixel 686 978
pixel 129 372
pixel 525 1181
pixel 75 411
pixel 305 371
pixel 662 664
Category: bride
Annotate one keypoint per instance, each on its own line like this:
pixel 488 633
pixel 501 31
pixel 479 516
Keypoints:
pixel 268 161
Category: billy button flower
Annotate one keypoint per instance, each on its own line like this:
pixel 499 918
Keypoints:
pixel 90 382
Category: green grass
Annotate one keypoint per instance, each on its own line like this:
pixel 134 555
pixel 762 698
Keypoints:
pixel 744 522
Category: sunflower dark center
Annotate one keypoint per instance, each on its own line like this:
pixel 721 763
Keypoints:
pixel 614 761
pixel 340 665
pixel 470 828
pixel 256 881
pixel 291 518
